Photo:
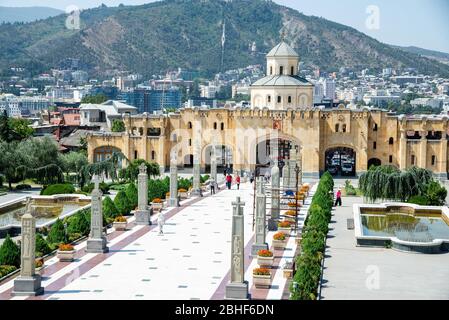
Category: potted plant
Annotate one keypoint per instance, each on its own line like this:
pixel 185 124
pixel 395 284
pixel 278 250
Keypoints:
pixel 39 265
pixel 290 215
pixel 157 204
pixel 66 252
pixel 261 277
pixel 285 226
pixel 292 204
pixel 183 193
pixel 120 223
pixel 279 240
pixel 265 258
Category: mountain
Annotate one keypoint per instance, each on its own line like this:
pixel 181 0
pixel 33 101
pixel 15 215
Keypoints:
pixel 158 36
pixel 442 57
pixel 26 14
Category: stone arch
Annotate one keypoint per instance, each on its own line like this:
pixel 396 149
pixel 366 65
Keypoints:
pixel 374 162
pixel 103 153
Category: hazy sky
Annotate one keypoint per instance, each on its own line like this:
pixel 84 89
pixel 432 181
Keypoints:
pixel 422 23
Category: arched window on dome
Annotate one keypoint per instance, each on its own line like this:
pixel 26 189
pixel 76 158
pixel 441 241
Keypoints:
pixel 269 99
pixel 289 99
pixel 279 99
pixel 292 71
pixel 281 70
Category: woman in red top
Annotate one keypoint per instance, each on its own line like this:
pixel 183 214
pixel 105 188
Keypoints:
pixel 338 196
pixel 237 180
pixel 228 181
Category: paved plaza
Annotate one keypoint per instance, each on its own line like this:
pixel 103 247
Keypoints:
pixel 191 260
pixel 352 272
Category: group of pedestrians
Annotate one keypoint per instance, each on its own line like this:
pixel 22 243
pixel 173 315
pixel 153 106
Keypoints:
pixel 229 181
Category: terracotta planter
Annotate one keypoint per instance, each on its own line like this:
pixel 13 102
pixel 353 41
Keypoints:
pixel 119 226
pixel 265 261
pixel 262 281
pixel 157 206
pixel 290 218
pixel 279 244
pixel 66 256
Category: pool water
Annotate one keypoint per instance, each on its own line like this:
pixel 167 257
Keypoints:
pixel 418 228
pixel 45 212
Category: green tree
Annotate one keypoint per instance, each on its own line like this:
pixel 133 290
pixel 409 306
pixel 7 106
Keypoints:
pixel 118 126
pixel 9 253
pixel 436 194
pixel 109 208
pixel 131 172
pixel 6 132
pixel 11 159
pixel 57 233
pixel 122 203
pixel 73 162
pixel 78 224
pixel 95 99
pixel 21 128
pixel 131 194
pixel 42 247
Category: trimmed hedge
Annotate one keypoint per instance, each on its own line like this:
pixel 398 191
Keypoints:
pixel 109 208
pixel 9 253
pixel 58 189
pixel 131 194
pixel 23 186
pixel 104 187
pixel 79 223
pixel 313 242
pixel 4 270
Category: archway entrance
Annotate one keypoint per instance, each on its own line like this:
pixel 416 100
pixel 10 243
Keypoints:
pixel 223 155
pixel 340 161
pixel 188 161
pixel 264 154
pixel 374 162
pixel 104 153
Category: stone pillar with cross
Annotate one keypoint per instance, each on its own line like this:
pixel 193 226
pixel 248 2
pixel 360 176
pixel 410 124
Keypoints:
pixel 213 164
pixel 142 214
pixel 261 214
pixel 196 187
pixel 97 242
pixel 292 162
pixel 237 288
pixel 173 201
pixel 28 283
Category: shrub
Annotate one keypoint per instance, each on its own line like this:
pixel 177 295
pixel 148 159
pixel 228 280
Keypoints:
pixel 158 188
pixel 42 246
pixel 279 236
pixel 436 194
pixel 420 200
pixel 23 186
pixel 9 253
pixel 264 253
pixel 121 203
pixel 261 272
pixel 5 269
pixel 104 187
pixel 78 224
pixel 184 183
pixel 62 188
pixel 117 187
pixel 204 178
pixel 65 247
pixel 109 208
pixel 57 233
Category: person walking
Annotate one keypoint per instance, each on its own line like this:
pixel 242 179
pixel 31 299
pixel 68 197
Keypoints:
pixel 251 179
pixel 229 181
pixel 161 222
pixel 212 186
pixel 338 197
pixel 237 180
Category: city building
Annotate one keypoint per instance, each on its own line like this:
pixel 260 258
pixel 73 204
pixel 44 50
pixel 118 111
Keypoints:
pixel 103 114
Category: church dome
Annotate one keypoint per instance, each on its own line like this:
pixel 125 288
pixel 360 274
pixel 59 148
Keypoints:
pixel 282 50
